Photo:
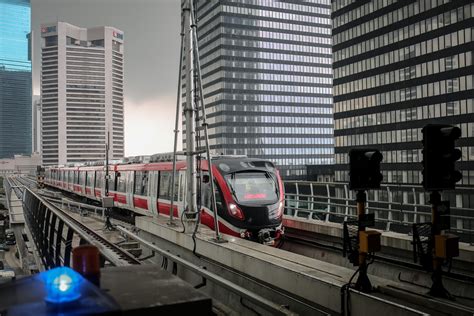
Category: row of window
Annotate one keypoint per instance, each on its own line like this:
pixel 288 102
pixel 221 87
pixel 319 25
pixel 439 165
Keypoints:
pixel 269 109
pixel 425 112
pixel 406 177
pixel 397 55
pixel 416 29
pixel 268 88
pixel 288 69
pixel 269 140
pixel 270 119
pixel 271 130
pixel 262 44
pixel 240 52
pixel 387 19
pixel 431 89
pixel 274 98
pixel 393 136
pixel 245 75
pixel 416 71
pixel 408 156
pixel 360 11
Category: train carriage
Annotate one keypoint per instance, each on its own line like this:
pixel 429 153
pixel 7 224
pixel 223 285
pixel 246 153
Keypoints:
pixel 249 192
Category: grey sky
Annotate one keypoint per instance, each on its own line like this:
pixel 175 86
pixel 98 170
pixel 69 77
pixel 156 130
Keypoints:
pixel 151 34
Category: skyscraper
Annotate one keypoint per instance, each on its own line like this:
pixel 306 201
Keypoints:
pixel 81 93
pixel 15 78
pixel 399 65
pixel 267 80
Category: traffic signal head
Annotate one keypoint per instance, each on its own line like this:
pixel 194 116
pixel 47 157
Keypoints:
pixel 439 157
pixel 364 170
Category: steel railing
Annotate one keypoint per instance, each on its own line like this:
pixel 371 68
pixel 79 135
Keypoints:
pixel 56 233
pixel 396 207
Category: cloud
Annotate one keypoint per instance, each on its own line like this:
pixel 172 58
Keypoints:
pixel 149 126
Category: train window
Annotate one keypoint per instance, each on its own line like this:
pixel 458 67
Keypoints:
pixel 253 186
pixel 141 183
pixel 76 177
pixel 121 181
pixel 89 178
pixel 99 179
pixel 165 181
pixel 82 177
pixel 112 183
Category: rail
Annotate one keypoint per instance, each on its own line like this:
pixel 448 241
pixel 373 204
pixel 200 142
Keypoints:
pixel 56 233
pixel 396 207
pixel 83 208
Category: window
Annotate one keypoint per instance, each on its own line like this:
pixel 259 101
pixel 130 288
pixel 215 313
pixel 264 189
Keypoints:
pixel 89 178
pixel 82 178
pixel 120 180
pixel 141 183
pixel 99 179
pixel 165 181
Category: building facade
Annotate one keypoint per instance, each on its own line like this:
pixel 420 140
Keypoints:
pixel 267 80
pixel 81 93
pixel 15 78
pixel 399 65
pixel 36 124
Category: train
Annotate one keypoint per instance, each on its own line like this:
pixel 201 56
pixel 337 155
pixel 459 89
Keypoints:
pixel 249 192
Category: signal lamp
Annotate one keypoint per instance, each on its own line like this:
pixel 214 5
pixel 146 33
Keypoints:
pixel 439 157
pixel 364 172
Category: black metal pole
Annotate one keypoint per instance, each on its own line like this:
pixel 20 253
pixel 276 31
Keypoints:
pixel 363 283
pixel 437 288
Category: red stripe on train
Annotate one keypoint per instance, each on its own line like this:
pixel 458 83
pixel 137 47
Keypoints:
pixel 164 209
pixel 140 202
pixel 208 220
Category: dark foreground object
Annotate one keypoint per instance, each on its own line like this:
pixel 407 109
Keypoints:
pixel 133 290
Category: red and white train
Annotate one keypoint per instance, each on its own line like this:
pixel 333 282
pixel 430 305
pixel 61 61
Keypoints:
pixel 249 192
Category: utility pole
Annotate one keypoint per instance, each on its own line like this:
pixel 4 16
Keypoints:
pixel 218 238
pixel 176 124
pixel 189 114
pixel 107 165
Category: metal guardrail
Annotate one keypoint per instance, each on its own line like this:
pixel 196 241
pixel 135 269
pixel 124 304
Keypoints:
pixel 56 233
pixel 396 207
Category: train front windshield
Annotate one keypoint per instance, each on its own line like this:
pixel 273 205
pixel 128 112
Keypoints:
pixel 253 187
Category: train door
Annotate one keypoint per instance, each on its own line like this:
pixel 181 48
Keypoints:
pixel 152 192
pixel 181 191
pixel 129 175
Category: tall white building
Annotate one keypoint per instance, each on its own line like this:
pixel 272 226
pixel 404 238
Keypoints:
pixel 81 93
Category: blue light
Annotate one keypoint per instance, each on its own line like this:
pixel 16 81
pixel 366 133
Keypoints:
pixel 63 285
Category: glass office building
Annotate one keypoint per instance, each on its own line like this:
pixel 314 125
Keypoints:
pixel 399 65
pixel 268 80
pixel 15 78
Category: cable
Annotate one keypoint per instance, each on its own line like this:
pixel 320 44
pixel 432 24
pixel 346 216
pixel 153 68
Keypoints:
pixel 345 294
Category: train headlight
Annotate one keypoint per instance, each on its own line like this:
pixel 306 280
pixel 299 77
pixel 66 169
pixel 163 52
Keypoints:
pixel 236 212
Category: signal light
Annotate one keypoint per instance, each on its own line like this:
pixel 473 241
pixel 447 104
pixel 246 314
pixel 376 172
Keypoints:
pixel 440 156
pixel 62 285
pixel 364 170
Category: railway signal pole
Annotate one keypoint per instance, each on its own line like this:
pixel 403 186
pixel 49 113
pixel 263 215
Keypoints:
pixel 364 174
pixel 439 173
